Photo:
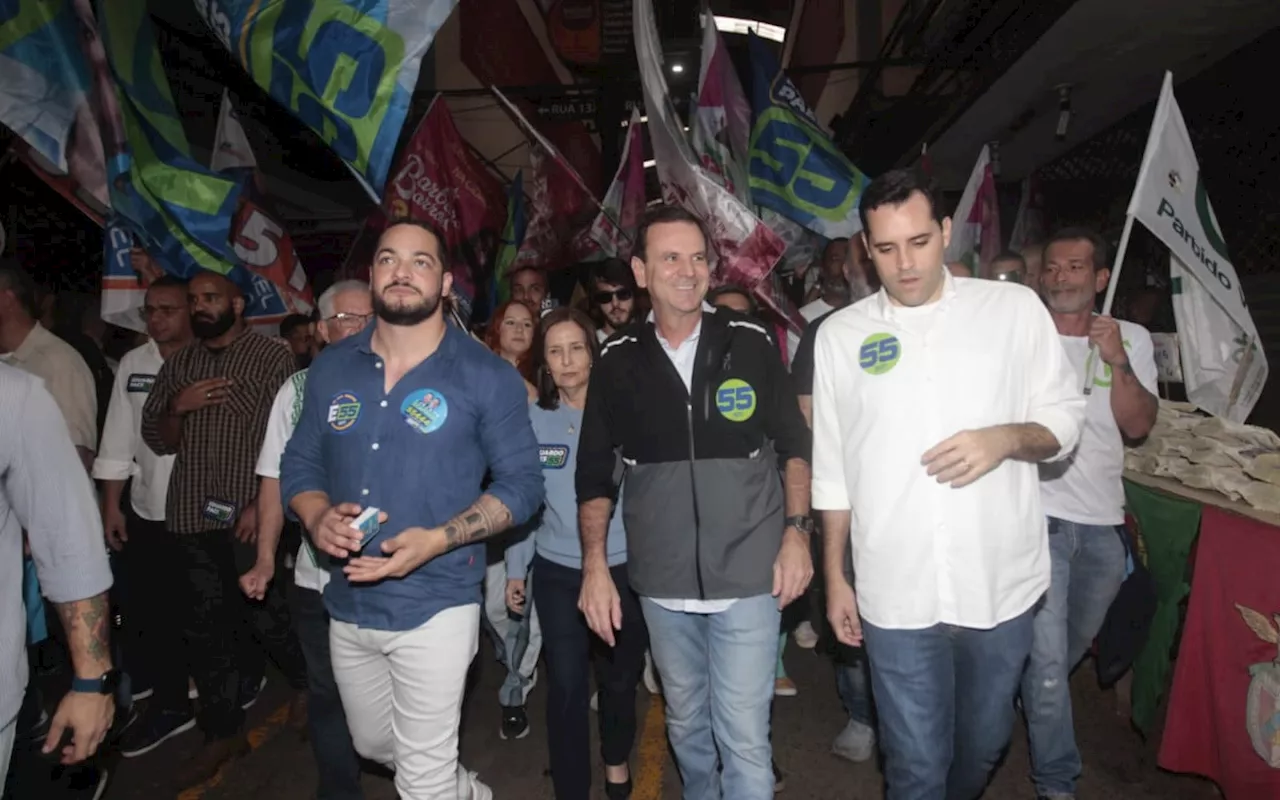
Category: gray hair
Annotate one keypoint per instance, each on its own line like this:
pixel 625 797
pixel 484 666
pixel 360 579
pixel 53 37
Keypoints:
pixel 326 299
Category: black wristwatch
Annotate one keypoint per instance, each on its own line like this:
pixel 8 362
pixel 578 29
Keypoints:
pixel 801 522
pixel 107 684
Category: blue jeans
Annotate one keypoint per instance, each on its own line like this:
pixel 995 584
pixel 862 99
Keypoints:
pixel 717 679
pixel 853 684
pixel 944 699
pixel 1088 568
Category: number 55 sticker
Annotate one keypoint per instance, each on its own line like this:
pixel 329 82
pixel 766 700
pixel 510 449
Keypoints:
pixel 879 353
pixel 736 400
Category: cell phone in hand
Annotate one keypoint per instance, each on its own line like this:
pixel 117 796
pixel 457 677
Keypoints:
pixel 368 525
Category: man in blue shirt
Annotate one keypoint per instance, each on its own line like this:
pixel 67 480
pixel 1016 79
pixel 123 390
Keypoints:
pixel 408 417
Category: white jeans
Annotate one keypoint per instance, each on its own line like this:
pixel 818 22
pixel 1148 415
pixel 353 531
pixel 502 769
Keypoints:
pixel 402 693
pixel 506 631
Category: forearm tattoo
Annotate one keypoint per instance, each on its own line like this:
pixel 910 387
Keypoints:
pixel 88 629
pixel 487 517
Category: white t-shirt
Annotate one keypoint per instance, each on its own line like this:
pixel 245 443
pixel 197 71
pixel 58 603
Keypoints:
pixel 1086 487
pixel 285 410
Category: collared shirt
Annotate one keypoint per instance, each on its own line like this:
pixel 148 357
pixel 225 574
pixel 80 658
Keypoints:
pixel 45 490
pixel 682 358
pixel 123 454
pixel 308 572
pixel 892 382
pixel 66 376
pixel 1087 487
pixel 213 476
pixel 419 452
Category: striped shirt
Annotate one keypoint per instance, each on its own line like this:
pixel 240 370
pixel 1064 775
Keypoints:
pixel 213 476
pixel 44 489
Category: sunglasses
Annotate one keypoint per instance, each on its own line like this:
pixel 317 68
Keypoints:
pixel 604 298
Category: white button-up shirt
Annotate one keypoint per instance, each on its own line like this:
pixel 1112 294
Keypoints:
pixel 67 378
pixel 123 454
pixel 890 383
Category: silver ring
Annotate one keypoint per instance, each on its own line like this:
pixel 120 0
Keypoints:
pixel 208 395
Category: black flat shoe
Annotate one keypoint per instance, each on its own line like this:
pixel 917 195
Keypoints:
pixel 617 791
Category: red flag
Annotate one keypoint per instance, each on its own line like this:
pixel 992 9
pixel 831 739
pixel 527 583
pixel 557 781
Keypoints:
pixel 440 180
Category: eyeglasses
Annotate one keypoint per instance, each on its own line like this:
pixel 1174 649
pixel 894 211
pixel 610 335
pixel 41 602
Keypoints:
pixel 604 298
pixel 349 320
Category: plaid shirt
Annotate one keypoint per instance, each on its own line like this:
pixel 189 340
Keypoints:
pixel 213 475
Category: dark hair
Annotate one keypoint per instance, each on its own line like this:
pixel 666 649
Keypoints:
pixel 536 270
pixel 662 214
pixel 611 270
pixel 1076 234
pixel 442 248
pixel 1009 255
pixel 894 188
pixel 548 392
pixel 493 338
pixel 293 322
pixel 167 281
pixel 15 279
pixel 733 288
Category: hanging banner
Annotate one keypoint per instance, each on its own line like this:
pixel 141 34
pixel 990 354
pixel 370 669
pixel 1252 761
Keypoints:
pixel 614 228
pixel 975 226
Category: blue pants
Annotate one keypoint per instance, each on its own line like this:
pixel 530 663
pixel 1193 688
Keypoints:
pixel 944 699
pixel 1088 568
pixel 717 679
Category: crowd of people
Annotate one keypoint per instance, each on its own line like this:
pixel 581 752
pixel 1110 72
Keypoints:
pixel 646 485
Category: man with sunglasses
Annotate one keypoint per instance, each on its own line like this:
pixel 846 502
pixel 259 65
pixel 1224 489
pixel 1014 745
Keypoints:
pixel 345 309
pixel 613 296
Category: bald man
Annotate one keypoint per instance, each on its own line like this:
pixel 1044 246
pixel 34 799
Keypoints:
pixel 209 406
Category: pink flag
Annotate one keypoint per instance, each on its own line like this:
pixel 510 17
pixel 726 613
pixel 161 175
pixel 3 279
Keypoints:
pixel 614 228
pixel 721 128
pixel 975 231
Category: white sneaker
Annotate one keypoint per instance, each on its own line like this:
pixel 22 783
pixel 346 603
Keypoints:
pixel 470 787
pixel 806 637
pixel 855 742
pixel 651 675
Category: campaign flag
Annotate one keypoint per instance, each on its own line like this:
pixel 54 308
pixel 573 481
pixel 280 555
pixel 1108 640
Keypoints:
pixel 346 68
pixel 123 289
pixel 720 130
pixel 541 244
pixel 747 248
pixel 440 180
pixel 46 91
pixel 512 237
pixel 1029 226
pixel 614 228
pixel 1223 365
pixel 975 226
pixel 795 168
pixel 260 241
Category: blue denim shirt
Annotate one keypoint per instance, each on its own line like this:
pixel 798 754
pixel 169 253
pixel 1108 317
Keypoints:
pixel 419 453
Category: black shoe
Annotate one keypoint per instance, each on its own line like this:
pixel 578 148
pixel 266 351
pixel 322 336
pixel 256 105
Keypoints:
pixel 154 728
pixel 84 783
pixel 250 691
pixel 779 780
pixel 618 791
pixel 515 723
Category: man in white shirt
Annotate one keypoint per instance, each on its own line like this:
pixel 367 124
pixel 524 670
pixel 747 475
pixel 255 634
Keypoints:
pixel 1083 497
pixel 144 556
pixel 841 279
pixel 345 310
pixel 27 345
pixel 933 400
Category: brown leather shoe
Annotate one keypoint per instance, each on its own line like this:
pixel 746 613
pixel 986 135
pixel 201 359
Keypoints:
pixel 209 759
pixel 298 714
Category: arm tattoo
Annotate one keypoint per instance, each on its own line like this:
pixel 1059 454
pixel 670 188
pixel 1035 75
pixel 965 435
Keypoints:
pixel 87 626
pixel 487 517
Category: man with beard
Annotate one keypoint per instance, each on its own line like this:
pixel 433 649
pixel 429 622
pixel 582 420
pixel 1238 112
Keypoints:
pixel 613 296
pixel 408 417
pixel 209 407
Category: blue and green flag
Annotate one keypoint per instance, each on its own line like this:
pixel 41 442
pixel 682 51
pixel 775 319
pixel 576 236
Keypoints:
pixel 509 246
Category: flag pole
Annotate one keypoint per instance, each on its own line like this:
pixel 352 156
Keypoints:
pixel 1091 363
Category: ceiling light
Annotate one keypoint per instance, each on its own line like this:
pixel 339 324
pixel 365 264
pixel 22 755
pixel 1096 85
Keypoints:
pixel 764 30
pixel 650 164
pixel 677 68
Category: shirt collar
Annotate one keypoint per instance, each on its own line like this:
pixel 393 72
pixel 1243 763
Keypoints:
pixel 36 337
pixel 707 308
pixel 949 287
pixel 448 344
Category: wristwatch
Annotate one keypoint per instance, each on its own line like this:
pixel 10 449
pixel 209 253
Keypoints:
pixel 801 522
pixel 107 684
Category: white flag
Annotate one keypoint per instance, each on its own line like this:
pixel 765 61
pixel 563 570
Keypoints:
pixel 231 148
pixel 1222 364
pixel 975 227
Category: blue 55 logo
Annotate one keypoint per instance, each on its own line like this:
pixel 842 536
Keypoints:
pixel 736 400
pixel 802 171
pixel 879 353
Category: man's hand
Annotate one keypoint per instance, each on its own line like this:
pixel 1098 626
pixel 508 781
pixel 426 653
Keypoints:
pixel 332 531
pixel 967 456
pixel 113 527
pixel 599 602
pixel 1104 334
pixel 208 392
pixel 793 568
pixel 89 716
pixel 247 525
pixel 255 582
pixel 842 612
pixel 407 551
pixel 515 595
